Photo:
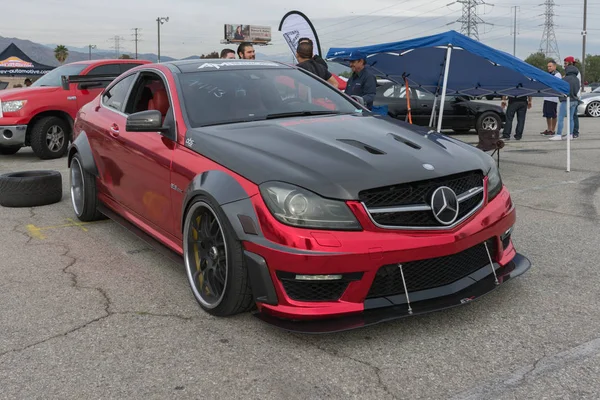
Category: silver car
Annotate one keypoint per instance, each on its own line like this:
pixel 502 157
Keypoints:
pixel 590 104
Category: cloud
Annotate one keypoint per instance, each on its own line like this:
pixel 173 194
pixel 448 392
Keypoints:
pixel 196 27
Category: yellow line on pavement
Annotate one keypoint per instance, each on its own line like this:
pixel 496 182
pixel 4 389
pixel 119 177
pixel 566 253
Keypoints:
pixel 36 231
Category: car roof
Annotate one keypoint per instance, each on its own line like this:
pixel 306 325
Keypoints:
pixel 210 64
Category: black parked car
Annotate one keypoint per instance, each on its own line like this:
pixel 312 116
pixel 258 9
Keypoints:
pixel 461 114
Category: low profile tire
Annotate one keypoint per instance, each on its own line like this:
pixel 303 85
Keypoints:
pixel 9 150
pixel 84 197
pixel 50 138
pixel 593 109
pixel 30 188
pixel 489 121
pixel 214 261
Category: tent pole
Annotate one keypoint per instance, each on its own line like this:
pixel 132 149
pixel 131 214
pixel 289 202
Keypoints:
pixel 433 111
pixel 444 87
pixel 568 134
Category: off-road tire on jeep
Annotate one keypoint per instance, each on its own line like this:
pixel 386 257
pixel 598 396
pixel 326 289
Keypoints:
pixel 39 137
pixel 9 150
pixel 30 188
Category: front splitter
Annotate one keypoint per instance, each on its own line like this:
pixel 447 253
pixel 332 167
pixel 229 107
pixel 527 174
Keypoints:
pixel 516 267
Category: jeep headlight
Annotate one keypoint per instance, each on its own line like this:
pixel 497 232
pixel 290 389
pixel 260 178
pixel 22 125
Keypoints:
pixel 494 182
pixel 13 106
pixel 299 207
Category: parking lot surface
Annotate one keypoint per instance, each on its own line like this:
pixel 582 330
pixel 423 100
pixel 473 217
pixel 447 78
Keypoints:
pixel 91 311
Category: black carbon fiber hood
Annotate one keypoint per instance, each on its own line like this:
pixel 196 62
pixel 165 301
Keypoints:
pixel 335 156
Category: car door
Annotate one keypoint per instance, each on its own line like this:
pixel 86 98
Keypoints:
pixel 394 96
pixel 144 158
pixel 101 135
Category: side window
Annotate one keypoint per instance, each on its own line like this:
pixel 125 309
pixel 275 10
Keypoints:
pixel 395 91
pixel 423 95
pixel 115 97
pixel 127 66
pixel 108 69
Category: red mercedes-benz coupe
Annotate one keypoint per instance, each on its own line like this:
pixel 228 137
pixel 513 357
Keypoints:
pixel 284 195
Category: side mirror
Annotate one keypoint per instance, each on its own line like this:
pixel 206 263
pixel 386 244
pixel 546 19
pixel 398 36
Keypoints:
pixel 359 99
pixel 145 121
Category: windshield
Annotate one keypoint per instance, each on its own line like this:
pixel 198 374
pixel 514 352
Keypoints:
pixel 53 78
pixel 228 96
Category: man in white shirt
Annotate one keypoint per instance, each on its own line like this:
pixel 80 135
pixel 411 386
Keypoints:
pixel 551 104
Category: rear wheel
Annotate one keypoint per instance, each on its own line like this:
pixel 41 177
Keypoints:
pixel 9 150
pixel 214 261
pixel 50 138
pixel 488 121
pixel 593 109
pixel 84 197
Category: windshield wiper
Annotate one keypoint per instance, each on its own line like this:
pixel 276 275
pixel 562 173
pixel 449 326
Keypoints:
pixel 301 114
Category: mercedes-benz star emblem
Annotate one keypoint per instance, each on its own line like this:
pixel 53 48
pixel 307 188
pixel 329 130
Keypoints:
pixel 444 205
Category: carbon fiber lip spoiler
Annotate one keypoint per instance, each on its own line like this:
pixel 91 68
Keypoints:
pixel 516 267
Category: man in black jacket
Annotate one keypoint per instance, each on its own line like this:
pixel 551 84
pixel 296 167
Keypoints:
pixel 571 73
pixel 304 54
pixel 316 57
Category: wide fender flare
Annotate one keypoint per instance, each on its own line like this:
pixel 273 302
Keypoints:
pixel 226 191
pixel 82 146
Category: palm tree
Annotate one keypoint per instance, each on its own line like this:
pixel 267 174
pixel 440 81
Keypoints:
pixel 61 53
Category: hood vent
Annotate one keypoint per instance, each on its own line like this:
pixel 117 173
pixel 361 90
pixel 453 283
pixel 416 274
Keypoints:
pixel 405 141
pixel 362 146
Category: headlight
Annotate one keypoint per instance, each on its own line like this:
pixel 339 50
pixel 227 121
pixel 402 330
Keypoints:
pixel 299 207
pixel 13 106
pixel 494 182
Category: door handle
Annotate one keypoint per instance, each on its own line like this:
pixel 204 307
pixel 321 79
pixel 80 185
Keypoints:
pixel 114 130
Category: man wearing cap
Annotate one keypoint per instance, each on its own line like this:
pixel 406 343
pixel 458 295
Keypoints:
pixel 362 82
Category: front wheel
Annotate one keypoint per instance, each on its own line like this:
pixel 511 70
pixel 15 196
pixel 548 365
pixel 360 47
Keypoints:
pixel 593 109
pixel 488 121
pixel 214 261
pixel 50 138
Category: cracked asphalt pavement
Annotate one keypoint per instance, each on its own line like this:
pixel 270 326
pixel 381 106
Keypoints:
pixel 90 311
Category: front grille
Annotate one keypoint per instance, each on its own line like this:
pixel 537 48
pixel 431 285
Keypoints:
pixel 432 272
pixel 314 291
pixel 419 193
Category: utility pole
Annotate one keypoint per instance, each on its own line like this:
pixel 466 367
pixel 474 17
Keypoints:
pixel 470 20
pixel 515 32
pixel 159 22
pixel 91 46
pixel 584 33
pixel 136 34
pixel 548 45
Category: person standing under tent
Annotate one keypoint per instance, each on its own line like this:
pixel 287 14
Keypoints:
pixel 362 82
pixel 518 106
pixel 571 78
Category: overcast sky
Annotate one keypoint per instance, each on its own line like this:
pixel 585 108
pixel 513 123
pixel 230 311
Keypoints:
pixel 196 26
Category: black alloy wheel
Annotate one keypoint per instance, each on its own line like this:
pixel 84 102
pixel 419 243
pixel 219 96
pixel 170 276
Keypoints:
pixel 214 260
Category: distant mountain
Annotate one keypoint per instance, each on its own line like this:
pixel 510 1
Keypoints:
pixel 44 54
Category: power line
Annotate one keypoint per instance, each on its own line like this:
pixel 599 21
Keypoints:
pixel 548 45
pixel 470 20
pixel 136 40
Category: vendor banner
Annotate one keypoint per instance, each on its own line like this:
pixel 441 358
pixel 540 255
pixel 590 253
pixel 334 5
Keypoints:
pixel 295 25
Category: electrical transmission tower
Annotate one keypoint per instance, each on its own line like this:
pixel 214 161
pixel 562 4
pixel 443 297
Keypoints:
pixel 137 39
pixel 470 20
pixel 548 45
pixel 117 46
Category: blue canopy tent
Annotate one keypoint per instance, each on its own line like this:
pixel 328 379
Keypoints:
pixel 451 64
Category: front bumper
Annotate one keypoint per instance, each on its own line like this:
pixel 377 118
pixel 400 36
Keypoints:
pixel 441 268
pixel 374 314
pixel 12 135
